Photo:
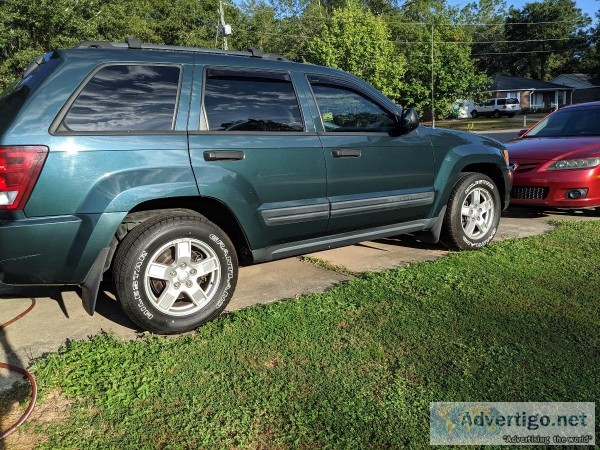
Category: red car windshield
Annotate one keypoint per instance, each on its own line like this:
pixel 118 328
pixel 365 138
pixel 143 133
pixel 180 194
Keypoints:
pixel 583 121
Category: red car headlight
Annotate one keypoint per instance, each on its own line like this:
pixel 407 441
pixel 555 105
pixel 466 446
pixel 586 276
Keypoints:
pixel 581 163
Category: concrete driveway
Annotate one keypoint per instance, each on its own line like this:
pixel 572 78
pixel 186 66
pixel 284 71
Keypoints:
pixel 59 316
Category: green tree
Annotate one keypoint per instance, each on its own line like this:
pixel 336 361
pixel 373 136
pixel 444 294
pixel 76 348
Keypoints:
pixel 539 40
pixel 455 75
pixel 591 56
pixel 359 42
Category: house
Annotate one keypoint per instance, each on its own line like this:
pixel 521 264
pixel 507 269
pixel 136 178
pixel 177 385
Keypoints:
pixel 532 94
pixel 587 88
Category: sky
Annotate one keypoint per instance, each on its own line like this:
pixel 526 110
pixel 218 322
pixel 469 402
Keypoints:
pixel 587 6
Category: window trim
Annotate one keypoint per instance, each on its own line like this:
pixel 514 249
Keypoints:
pixel 55 130
pixel 349 84
pixel 204 115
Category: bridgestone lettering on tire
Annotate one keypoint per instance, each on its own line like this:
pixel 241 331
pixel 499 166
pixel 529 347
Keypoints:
pixel 175 272
pixel 473 213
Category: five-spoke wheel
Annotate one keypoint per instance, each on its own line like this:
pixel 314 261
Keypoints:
pixel 473 213
pixel 174 272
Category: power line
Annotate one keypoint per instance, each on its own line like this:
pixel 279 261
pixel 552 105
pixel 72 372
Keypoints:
pixel 485 42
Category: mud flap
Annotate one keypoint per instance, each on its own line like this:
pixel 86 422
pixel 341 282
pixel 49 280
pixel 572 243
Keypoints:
pixel 91 285
pixel 432 236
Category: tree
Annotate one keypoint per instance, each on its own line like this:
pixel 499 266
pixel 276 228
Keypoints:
pixel 359 42
pixel 591 56
pixel 455 75
pixel 539 40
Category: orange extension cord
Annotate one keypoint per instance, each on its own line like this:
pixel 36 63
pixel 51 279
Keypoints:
pixel 29 409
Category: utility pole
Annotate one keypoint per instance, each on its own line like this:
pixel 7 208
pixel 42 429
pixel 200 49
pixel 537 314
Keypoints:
pixel 432 101
pixel 224 28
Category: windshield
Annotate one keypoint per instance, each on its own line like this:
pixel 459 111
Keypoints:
pixel 569 122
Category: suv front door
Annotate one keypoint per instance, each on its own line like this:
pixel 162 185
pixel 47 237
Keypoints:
pixel 375 176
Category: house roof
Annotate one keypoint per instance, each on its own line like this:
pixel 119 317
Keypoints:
pixel 579 79
pixel 506 83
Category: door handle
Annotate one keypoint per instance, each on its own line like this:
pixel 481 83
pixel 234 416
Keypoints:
pixel 346 153
pixel 223 155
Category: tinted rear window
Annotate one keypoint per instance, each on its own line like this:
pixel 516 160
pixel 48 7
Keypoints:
pixel 502 101
pixel 237 100
pixel 126 98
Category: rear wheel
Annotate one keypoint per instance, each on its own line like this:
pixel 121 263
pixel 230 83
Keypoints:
pixel 473 213
pixel 496 114
pixel 175 272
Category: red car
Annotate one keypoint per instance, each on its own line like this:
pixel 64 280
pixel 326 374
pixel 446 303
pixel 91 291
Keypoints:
pixel 557 162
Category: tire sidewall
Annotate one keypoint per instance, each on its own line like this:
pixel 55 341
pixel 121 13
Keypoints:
pixel 464 188
pixel 135 288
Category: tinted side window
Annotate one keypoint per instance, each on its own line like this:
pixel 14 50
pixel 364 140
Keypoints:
pixel 346 110
pixel 501 101
pixel 126 98
pixel 250 101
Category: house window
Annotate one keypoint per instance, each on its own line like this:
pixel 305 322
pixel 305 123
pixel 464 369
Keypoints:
pixel 513 95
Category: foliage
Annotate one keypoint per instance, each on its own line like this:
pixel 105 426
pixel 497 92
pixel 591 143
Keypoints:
pixel 454 71
pixel 385 42
pixel 357 41
pixel 354 367
pixel 540 40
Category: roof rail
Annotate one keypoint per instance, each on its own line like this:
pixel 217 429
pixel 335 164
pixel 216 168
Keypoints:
pixel 135 44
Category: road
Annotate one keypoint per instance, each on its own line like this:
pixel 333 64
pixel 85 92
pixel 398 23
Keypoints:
pixel 501 135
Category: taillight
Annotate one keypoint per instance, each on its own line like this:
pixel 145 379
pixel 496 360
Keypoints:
pixel 20 167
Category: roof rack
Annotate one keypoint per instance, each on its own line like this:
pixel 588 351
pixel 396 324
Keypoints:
pixel 135 44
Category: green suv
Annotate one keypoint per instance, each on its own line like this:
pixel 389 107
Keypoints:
pixel 171 166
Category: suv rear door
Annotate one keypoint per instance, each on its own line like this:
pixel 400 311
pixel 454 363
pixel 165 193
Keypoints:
pixel 375 176
pixel 250 149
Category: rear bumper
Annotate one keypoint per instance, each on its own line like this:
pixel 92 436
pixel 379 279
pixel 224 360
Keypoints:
pixel 557 184
pixel 53 250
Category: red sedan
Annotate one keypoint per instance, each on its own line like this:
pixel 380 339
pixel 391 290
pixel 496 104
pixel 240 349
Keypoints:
pixel 557 161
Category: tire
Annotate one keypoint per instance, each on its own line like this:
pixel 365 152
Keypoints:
pixel 466 227
pixel 474 114
pixel 496 114
pixel 174 272
pixel 511 115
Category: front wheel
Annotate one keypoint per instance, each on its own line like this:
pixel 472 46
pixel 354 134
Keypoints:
pixel 496 114
pixel 473 213
pixel 474 114
pixel 175 272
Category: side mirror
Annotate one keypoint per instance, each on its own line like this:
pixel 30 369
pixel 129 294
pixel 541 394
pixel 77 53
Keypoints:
pixel 408 120
pixel 522 132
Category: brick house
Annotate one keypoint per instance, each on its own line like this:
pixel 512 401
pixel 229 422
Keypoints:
pixel 532 94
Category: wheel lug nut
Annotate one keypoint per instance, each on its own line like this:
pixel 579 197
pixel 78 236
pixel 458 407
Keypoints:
pixel 173 274
pixel 182 265
pixel 177 285
pixel 193 272
pixel 188 284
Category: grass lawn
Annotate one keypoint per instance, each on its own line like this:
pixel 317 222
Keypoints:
pixel 488 123
pixel 354 367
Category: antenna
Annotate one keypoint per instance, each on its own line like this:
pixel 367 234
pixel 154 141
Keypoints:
pixel 223 28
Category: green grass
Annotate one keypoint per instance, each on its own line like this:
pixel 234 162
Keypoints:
pixel 318 262
pixel 354 367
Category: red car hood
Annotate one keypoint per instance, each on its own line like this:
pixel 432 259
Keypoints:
pixel 544 149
